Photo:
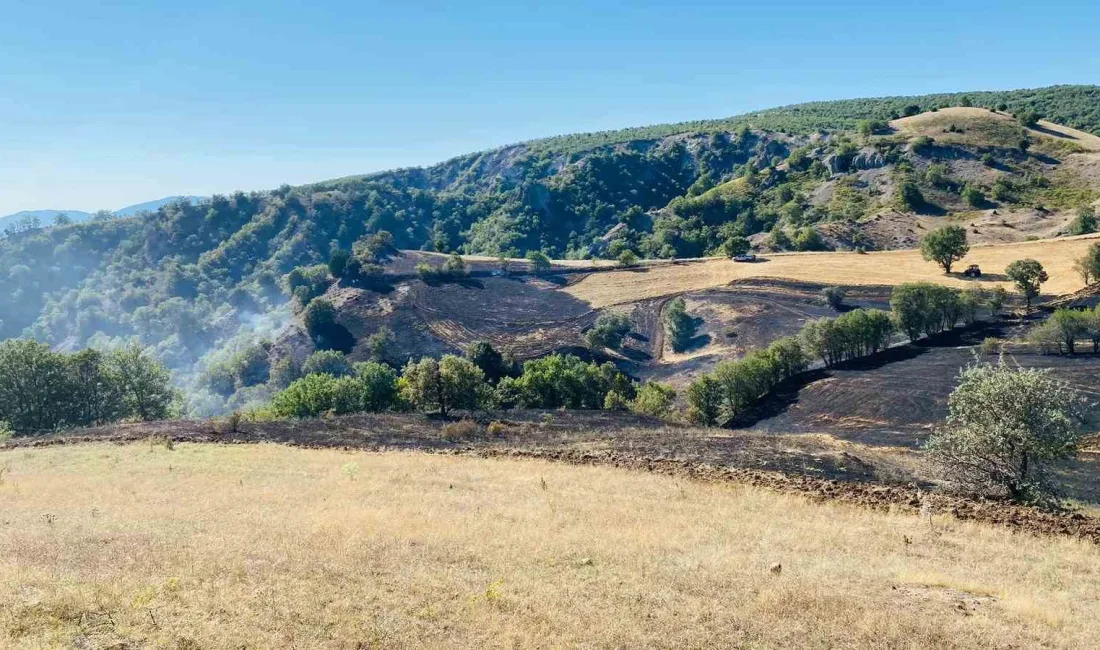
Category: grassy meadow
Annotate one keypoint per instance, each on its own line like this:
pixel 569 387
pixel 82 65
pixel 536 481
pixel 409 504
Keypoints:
pixel 264 546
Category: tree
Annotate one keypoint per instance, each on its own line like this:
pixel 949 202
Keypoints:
pixel 338 263
pixel 910 110
pixel 146 383
pixel 380 344
pixel 1027 275
pixel 327 362
pixel 1005 426
pixel 455 266
pixel 1028 118
pixel 680 325
pixel 538 261
pixel 450 383
pixel 609 331
pixel 704 397
pixel 973 196
pixel 62 219
pixel 32 385
pixel 375 248
pixel 1088 266
pixel 485 356
pixel 997 299
pixel 316 394
pixel 945 246
pixel 908 196
pixel 319 318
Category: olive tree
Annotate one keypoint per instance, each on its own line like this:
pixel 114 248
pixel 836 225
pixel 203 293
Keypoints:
pixel 1004 428
pixel 945 246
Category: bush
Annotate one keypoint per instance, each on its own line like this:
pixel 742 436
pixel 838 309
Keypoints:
pixel 991 345
pixel 704 397
pixel 609 331
pixel 319 319
pixel 314 395
pixel 1084 223
pixel 654 399
pixel 735 386
pixel 464 429
pixel 379 385
pixel 908 196
pixel 627 259
pixel 561 380
pixel 327 362
pixel 973 196
pixel 834 296
pixel 538 261
pixel 1004 428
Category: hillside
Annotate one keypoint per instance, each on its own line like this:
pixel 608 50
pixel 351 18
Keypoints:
pixel 24 218
pixel 200 281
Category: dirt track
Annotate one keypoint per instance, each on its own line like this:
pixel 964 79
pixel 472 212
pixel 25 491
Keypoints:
pixel 813 466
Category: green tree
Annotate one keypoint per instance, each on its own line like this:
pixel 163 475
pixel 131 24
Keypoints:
pixel 834 296
pixel 492 363
pixel 379 385
pixel 627 259
pixel 679 324
pixel 33 383
pixel 1004 428
pixel 609 331
pixel 1027 275
pixel 704 397
pixel 146 384
pixel 973 196
pixel 338 263
pixel 538 261
pixel 447 384
pixel 945 246
pixel 997 298
pixel 317 394
pixel 1084 222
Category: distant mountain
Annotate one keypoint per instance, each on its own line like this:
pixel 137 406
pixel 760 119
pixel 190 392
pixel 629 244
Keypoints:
pixel 152 206
pixel 46 217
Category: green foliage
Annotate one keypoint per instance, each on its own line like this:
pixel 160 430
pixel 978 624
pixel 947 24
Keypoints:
pixel 327 362
pixel 538 261
pixel 908 196
pixel 449 383
pixel 379 386
pixel 973 196
pixel 858 333
pixel 319 318
pixel 834 296
pixel 375 248
pixel 945 246
pixel 704 397
pixel 680 325
pixel 923 308
pixel 564 381
pixel 1088 266
pixel 317 394
pixel 997 298
pixel 1027 275
pixel 627 259
pixel 609 331
pixel 42 390
pixel 491 362
pixel 1084 222
pixel 1004 428
pixel 308 282
pixel 654 399
pixel 249 366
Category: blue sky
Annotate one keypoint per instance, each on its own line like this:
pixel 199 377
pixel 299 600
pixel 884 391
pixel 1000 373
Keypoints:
pixel 109 103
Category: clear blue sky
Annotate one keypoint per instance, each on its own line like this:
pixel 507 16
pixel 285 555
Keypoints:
pixel 103 104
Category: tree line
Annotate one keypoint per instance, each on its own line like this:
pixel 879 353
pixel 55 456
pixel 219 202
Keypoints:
pixel 42 390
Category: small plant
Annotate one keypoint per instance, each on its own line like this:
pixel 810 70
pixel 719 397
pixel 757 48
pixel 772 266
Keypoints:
pixel 461 430
pixel 496 428
pixel 991 345
pixel 161 441
pixel 350 470
pixel 5 431
pixel 834 296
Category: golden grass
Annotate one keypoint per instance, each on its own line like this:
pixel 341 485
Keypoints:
pixel 932 123
pixel 269 546
pixel 846 268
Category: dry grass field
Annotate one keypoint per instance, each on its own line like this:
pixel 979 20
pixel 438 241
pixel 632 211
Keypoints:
pixel 982 121
pixel 264 546
pixel 842 268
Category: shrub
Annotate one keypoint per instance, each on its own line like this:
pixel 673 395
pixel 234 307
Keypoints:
pixel 561 380
pixel 997 299
pixel 491 362
pixel 319 319
pixel 973 196
pixel 327 362
pixel 1004 428
pixel 315 395
pixel 852 335
pixel 908 196
pixel 654 399
pixel 627 259
pixel 921 144
pixel 1088 266
pixel 609 331
pixel 924 308
pixel 464 429
pixel 834 296
pixel 704 397
pixel 538 261
pixel 379 385
pixel 991 345
pixel 1084 223
pixel 496 428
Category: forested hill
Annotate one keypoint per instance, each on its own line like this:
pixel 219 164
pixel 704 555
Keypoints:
pixel 190 277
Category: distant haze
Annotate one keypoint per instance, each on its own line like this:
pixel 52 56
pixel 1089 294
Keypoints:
pixel 47 216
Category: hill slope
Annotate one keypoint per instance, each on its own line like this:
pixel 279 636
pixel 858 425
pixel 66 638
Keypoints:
pixel 190 279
